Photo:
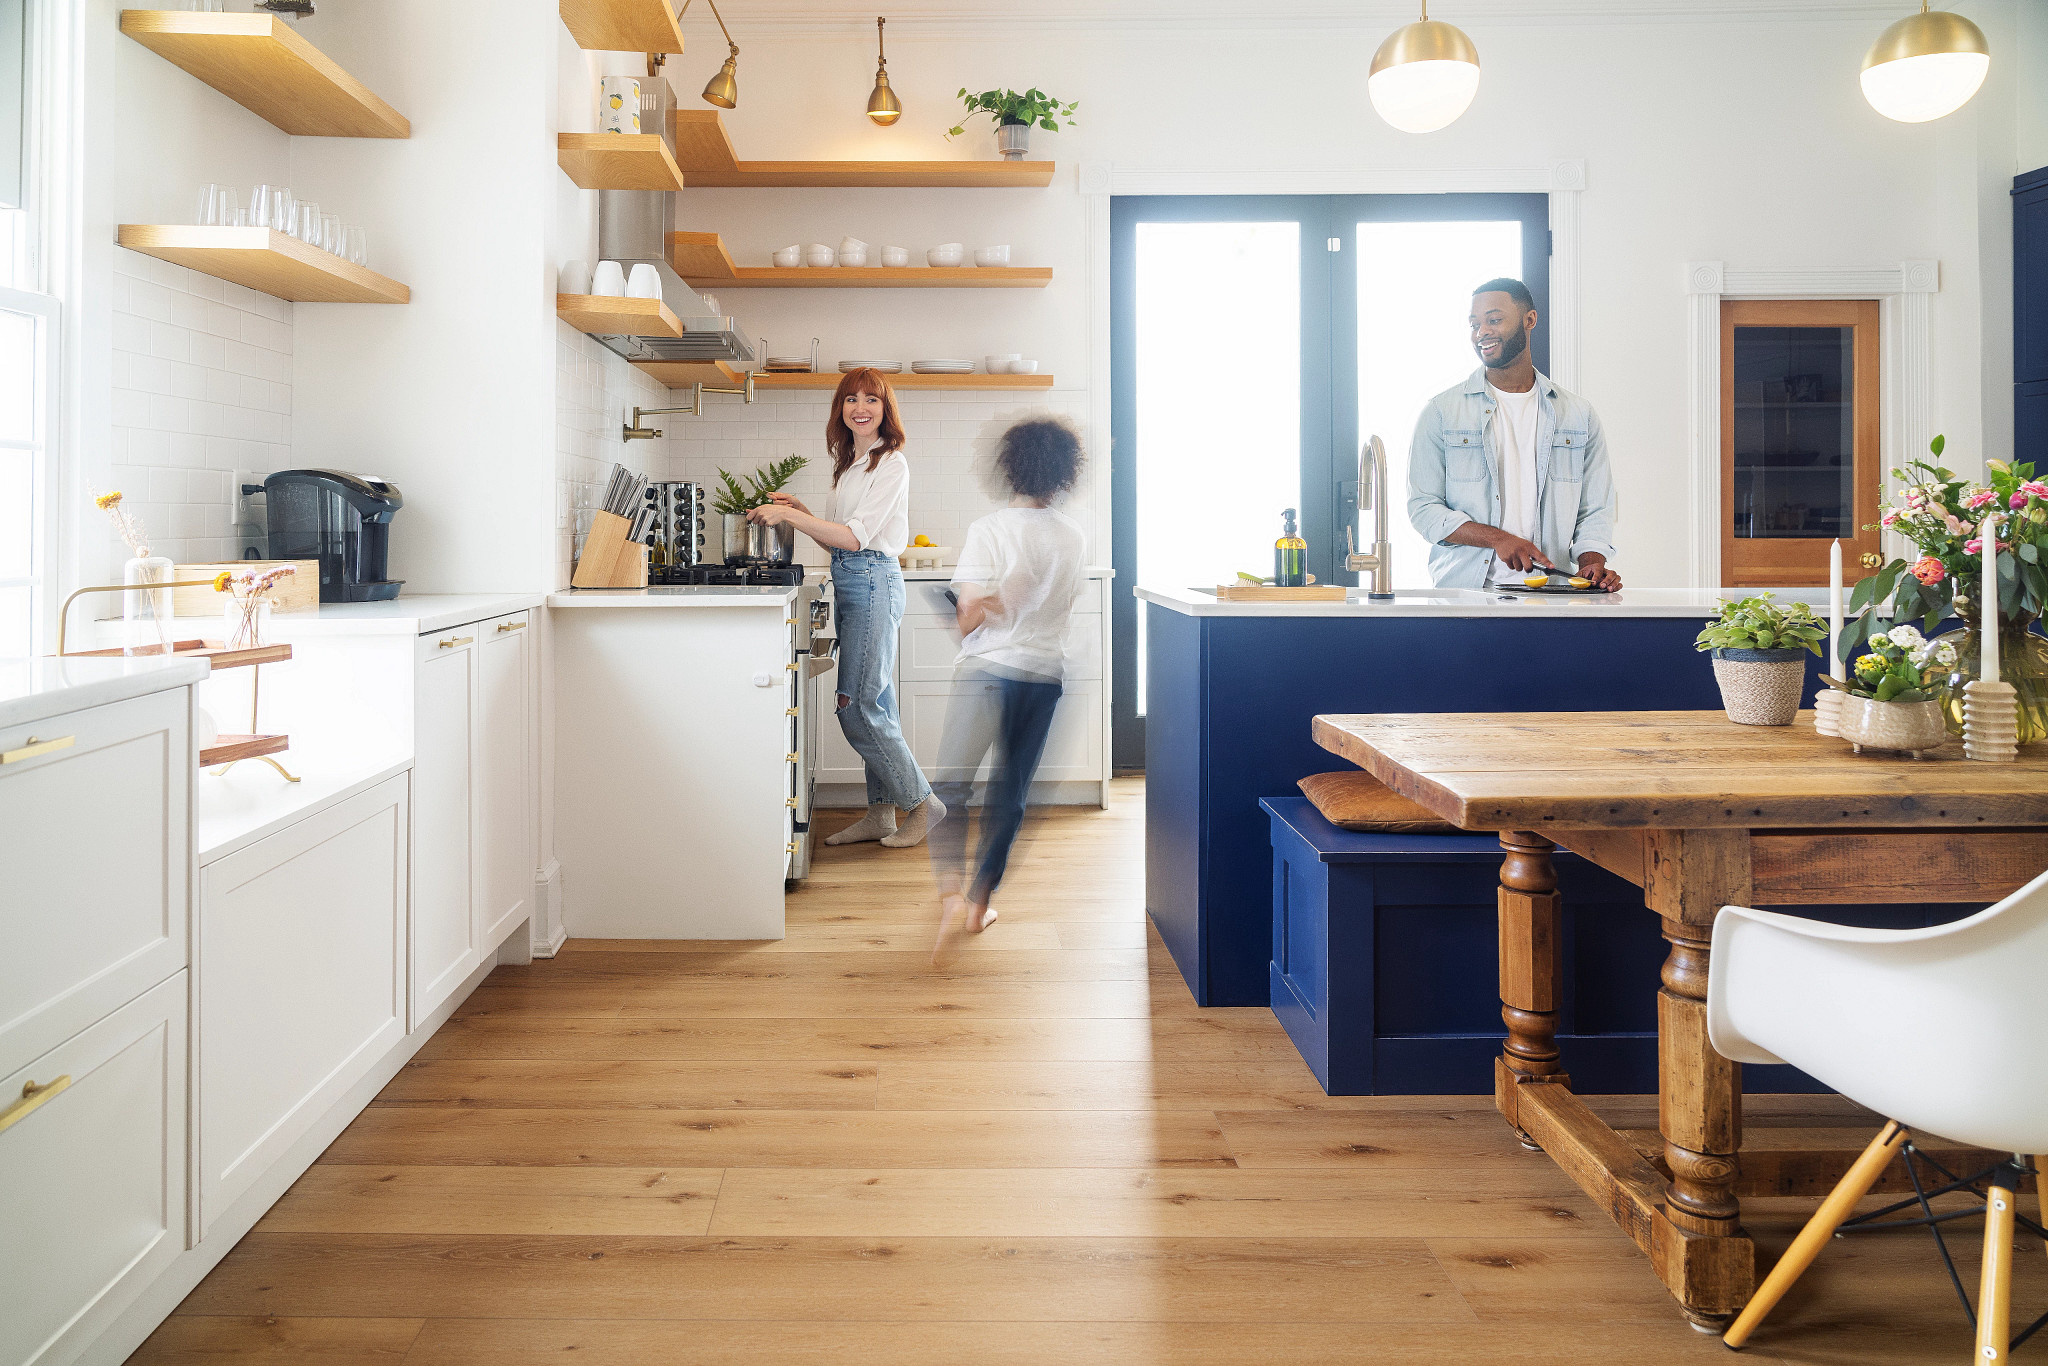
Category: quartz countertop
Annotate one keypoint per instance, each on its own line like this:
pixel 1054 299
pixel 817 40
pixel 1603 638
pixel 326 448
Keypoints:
pixel 402 616
pixel 1473 602
pixel 678 595
pixel 247 802
pixel 34 689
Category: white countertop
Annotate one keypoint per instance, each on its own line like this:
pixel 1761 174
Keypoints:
pixel 402 615
pixel 677 595
pixel 32 689
pixel 236 808
pixel 1093 571
pixel 1471 602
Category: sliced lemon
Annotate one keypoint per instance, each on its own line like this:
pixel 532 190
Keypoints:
pixel 1536 580
pixel 1578 582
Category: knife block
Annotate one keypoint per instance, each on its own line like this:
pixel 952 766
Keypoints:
pixel 609 559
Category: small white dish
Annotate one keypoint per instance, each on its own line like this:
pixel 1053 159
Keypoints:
pixel 1023 367
pixel 608 280
pixel 574 278
pixel 818 254
pixel 894 257
pixel 644 283
pixel 882 367
pixel 946 254
pixel 789 256
pixel 852 244
pixel 992 256
pixel 853 258
pixel 997 365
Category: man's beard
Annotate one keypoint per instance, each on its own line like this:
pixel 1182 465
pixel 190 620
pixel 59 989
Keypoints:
pixel 1511 349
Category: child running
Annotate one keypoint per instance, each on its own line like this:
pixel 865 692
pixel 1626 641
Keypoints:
pixel 1019 575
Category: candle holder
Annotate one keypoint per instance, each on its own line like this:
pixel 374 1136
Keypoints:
pixel 1827 711
pixel 1991 718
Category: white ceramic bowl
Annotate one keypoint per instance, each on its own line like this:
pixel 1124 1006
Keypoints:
pixel 608 280
pixel 853 258
pixel 789 256
pixel 574 278
pixel 895 256
pixel 819 255
pixel 643 283
pixel 1023 367
pixel 997 365
pixel 992 256
pixel 852 244
pixel 948 254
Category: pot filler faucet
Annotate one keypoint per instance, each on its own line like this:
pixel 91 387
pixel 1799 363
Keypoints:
pixel 1372 492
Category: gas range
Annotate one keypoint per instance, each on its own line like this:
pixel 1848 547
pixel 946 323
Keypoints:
pixel 744 575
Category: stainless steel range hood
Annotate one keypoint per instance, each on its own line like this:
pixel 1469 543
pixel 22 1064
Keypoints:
pixel 632 229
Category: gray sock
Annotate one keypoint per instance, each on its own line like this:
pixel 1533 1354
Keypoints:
pixel 879 823
pixel 918 823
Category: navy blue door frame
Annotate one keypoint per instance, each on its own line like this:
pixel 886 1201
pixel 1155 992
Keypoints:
pixel 1329 374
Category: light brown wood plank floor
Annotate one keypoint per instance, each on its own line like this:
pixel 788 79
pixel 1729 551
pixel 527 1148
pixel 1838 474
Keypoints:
pixel 818 1150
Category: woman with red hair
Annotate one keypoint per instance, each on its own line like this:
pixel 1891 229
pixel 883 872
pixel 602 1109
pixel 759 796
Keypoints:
pixel 868 527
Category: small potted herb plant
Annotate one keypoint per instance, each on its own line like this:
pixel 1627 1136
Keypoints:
pixel 1894 700
pixel 1014 115
pixel 1757 646
pixel 745 540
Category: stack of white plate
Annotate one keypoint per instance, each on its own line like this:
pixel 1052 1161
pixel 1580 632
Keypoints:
pixel 887 367
pixel 942 367
pixel 789 362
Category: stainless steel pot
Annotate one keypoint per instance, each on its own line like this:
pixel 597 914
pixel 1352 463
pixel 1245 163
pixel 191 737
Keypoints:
pixel 745 540
pixel 737 531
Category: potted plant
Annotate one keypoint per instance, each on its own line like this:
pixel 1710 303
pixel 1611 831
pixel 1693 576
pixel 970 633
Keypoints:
pixel 1940 513
pixel 744 540
pixel 1892 702
pixel 1014 115
pixel 1758 646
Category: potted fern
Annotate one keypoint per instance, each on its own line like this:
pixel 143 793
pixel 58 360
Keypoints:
pixel 745 540
pixel 1014 115
pixel 1758 646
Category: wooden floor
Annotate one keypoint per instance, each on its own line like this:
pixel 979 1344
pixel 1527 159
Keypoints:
pixel 820 1151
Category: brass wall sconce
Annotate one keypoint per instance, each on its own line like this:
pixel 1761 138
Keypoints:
pixel 883 106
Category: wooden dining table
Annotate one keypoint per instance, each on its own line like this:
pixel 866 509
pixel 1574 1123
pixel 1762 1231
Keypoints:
pixel 1700 813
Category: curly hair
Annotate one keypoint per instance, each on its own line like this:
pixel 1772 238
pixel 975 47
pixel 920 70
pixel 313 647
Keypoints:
pixel 1040 457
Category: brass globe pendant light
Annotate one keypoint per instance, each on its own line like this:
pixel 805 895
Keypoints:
pixel 1424 76
pixel 883 106
pixel 1925 66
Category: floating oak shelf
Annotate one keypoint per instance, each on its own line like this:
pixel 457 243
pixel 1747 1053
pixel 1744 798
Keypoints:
pixel 623 25
pixel 618 161
pixel 681 374
pixel 265 260
pixel 610 316
pixel 257 61
pixel 706 156
pixel 822 380
pixel 702 260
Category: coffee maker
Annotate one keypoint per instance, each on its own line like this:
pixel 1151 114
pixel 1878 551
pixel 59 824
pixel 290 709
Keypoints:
pixel 342 520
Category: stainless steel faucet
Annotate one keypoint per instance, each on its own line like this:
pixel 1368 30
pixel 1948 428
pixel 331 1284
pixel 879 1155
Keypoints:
pixel 1372 491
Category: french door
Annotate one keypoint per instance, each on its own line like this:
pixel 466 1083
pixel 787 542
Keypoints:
pixel 1255 342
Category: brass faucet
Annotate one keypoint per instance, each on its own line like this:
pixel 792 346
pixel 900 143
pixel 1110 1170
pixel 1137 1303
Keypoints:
pixel 1372 491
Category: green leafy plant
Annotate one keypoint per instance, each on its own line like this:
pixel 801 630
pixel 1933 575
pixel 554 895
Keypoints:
pixel 733 498
pixel 1758 623
pixel 1902 666
pixel 1007 106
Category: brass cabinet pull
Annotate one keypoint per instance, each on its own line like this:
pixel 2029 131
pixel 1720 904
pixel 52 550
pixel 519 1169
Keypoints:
pixel 505 626
pixel 789 711
pixel 789 802
pixel 789 621
pixel 33 1097
pixel 790 757
pixel 455 641
pixel 790 848
pixel 35 747
pixel 792 667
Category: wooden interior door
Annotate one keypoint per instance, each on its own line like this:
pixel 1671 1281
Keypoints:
pixel 1800 459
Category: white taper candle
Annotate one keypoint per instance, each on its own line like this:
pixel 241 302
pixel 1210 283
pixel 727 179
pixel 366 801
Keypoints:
pixel 1834 604
pixel 1988 533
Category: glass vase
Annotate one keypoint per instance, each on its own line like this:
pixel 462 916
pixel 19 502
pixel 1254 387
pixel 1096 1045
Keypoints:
pixel 146 611
pixel 2022 662
pixel 245 622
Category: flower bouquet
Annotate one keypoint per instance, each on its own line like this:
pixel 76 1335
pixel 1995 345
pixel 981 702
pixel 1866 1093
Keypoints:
pixel 1892 701
pixel 1940 512
pixel 248 606
pixel 145 609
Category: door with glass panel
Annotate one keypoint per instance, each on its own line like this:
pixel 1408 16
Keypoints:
pixel 1799 438
pixel 1255 344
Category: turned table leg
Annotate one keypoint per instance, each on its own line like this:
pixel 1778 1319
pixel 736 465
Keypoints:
pixel 1699 1104
pixel 1531 970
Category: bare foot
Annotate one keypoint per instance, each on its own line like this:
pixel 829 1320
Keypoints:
pixel 980 917
pixel 953 921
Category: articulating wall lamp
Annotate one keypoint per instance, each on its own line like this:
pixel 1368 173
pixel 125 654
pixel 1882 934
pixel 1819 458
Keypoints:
pixel 883 106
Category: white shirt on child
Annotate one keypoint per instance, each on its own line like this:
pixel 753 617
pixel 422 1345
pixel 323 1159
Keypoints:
pixel 1030 560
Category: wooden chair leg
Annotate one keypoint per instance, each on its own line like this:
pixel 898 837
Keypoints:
pixel 1994 1291
pixel 1839 1205
pixel 2041 1190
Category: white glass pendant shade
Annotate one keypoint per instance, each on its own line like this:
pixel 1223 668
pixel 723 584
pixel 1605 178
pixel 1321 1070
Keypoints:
pixel 1925 66
pixel 1424 76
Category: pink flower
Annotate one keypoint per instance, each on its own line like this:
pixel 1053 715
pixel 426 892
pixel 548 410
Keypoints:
pixel 2034 488
pixel 1889 520
pixel 1975 546
pixel 1980 498
pixel 1956 524
pixel 1929 570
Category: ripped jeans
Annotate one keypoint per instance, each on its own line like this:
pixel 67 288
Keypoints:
pixel 867 597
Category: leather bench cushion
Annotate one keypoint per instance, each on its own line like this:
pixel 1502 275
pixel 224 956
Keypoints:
pixel 1355 800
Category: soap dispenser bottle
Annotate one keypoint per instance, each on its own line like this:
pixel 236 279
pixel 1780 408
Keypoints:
pixel 1290 555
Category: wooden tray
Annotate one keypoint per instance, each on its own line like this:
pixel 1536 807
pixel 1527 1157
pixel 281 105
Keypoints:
pixel 1266 592
pixel 219 656
pixel 228 748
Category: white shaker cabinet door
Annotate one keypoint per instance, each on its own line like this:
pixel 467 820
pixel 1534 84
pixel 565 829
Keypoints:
pixel 1073 746
pixel 445 942
pixel 92 1180
pixel 504 775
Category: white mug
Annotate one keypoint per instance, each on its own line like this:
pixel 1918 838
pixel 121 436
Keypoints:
pixel 608 280
pixel 574 279
pixel 645 282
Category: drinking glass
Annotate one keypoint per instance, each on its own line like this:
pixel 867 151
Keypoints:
pixel 217 205
pixel 284 211
pixel 330 232
pixel 262 203
pixel 358 245
pixel 309 223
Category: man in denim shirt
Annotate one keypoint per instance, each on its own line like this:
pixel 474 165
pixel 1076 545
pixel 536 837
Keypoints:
pixel 1508 472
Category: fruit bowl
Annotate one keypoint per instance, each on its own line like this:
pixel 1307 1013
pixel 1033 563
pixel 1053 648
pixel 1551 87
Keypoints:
pixel 924 556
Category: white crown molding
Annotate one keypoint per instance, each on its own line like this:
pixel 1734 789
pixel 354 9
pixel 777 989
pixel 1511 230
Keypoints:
pixel 1905 368
pixel 1365 180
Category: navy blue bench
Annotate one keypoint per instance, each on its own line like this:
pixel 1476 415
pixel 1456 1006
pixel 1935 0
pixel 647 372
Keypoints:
pixel 1386 962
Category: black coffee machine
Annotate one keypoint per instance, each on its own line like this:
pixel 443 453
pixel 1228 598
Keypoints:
pixel 342 520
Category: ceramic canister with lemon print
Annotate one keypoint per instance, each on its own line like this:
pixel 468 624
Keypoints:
pixel 618 104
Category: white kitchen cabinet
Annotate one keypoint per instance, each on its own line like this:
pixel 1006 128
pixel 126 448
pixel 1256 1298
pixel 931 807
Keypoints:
pixel 446 944
pixel 1072 748
pixel 301 982
pixel 505 775
pixel 93 1180
pixel 96 894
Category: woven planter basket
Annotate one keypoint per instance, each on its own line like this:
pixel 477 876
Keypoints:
pixel 1760 687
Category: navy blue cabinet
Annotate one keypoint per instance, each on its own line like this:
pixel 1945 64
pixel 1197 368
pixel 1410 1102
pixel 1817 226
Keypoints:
pixel 2030 317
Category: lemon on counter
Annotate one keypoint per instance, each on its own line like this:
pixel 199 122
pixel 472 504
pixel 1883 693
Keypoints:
pixel 1536 580
pixel 922 540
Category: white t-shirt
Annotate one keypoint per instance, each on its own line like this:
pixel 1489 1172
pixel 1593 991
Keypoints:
pixel 875 503
pixel 1029 560
pixel 1514 437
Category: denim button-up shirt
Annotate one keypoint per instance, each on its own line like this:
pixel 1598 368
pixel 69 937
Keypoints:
pixel 1454 478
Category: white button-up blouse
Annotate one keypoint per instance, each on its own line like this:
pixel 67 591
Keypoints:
pixel 875 503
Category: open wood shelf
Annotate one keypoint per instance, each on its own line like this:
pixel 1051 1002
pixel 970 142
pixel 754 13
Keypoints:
pixel 604 315
pixel 702 260
pixel 623 25
pixel 267 261
pixel 681 374
pixel 227 749
pixel 617 161
pixel 706 156
pixel 830 380
pixel 257 61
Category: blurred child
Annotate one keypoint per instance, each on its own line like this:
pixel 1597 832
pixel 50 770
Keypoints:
pixel 1019 575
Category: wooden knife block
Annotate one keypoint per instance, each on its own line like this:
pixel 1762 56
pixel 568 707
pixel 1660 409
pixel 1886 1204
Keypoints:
pixel 609 559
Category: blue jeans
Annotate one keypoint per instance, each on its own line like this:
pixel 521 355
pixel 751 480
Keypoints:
pixel 867 595
pixel 1006 721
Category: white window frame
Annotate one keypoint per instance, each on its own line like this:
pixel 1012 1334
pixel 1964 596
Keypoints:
pixel 40 446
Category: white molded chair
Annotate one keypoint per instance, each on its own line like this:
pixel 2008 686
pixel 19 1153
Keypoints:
pixel 1942 1029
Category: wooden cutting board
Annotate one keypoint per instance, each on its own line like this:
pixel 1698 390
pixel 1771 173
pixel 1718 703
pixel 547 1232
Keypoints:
pixel 1266 592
